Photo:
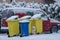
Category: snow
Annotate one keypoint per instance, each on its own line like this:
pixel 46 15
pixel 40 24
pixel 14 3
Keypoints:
pixel 24 21
pixel 58 2
pixel 53 36
pixel 12 18
pixel 53 20
pixel 36 16
pixel 22 8
pixel 44 18
pixel 4 27
pixel 25 17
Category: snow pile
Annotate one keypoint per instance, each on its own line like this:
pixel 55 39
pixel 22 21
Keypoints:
pixel 53 20
pixel 24 21
pixel 25 17
pixel 36 16
pixel 4 27
pixel 13 18
pixel 30 5
pixel 44 18
pixel 58 2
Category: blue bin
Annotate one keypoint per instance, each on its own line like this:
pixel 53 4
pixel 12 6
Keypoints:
pixel 24 31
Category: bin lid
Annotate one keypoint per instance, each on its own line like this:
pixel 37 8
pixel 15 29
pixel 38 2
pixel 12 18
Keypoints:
pixel 13 18
pixel 24 21
pixel 36 16
pixel 25 17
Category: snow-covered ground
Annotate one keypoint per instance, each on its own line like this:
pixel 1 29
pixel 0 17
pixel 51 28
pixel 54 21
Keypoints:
pixel 53 36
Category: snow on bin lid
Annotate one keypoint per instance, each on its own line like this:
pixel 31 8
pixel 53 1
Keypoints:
pixel 13 18
pixel 24 21
pixel 25 17
pixel 36 16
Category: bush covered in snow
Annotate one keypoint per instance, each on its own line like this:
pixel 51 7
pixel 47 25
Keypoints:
pixel 52 10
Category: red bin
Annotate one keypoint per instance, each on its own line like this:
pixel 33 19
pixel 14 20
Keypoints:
pixel 20 14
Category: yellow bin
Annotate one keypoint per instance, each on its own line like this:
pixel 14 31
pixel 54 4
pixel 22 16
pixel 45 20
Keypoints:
pixel 38 25
pixel 13 27
pixel 31 24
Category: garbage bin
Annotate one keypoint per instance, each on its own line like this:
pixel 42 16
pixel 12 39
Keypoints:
pixel 24 28
pixel 31 24
pixel 13 27
pixel 38 25
pixel 35 26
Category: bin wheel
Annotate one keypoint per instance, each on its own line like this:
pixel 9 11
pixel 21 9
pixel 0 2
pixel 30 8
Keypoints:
pixel 21 35
pixel 31 34
pixel 54 29
pixel 8 35
pixel 37 33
